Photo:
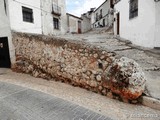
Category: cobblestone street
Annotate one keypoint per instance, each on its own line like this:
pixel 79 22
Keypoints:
pixel 101 105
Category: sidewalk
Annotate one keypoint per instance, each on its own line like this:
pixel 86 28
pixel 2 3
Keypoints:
pixel 92 101
pixel 20 103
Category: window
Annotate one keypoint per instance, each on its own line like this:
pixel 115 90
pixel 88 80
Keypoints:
pixel 133 9
pixel 100 16
pixel 27 14
pixel 56 23
pixel 96 16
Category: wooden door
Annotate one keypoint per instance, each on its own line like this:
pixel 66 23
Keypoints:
pixel 118 23
pixel 4 53
pixel 79 27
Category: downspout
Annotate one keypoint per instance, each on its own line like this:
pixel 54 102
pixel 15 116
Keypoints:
pixel 5 7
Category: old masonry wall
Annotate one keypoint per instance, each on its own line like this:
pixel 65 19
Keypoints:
pixel 79 64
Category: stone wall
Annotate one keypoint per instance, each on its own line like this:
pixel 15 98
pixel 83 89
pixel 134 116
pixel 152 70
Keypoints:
pixel 79 64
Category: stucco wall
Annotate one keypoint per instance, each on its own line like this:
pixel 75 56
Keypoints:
pixel 157 29
pixel 86 23
pixel 47 17
pixel 140 30
pixel 79 64
pixel 16 18
pixel 5 30
pixel 73 24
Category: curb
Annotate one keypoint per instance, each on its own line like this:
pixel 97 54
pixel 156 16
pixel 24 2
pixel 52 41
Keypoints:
pixel 151 102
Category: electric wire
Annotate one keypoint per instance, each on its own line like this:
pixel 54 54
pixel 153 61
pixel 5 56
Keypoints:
pixel 32 6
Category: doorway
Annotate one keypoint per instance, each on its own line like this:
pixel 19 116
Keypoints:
pixel 79 27
pixel 118 23
pixel 4 53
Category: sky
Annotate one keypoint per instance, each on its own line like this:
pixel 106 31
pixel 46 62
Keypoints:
pixel 78 7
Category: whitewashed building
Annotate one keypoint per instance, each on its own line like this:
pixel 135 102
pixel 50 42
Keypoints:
pixel 54 20
pixel 88 20
pixel 103 15
pixel 138 21
pixel 37 16
pixel 74 24
pixel 46 17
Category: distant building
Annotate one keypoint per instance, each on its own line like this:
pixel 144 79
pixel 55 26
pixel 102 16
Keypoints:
pixel 138 21
pixel 103 15
pixel 74 23
pixel 88 20
pixel 100 17
pixel 46 17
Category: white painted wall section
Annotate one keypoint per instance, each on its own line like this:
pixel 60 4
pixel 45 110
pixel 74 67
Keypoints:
pixel 16 18
pixel 73 24
pixel 86 24
pixel 5 30
pixel 157 29
pixel 141 29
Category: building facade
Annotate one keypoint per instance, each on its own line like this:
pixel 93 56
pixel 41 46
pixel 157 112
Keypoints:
pixel 74 24
pixel 46 17
pixel 138 21
pixel 54 20
pixel 103 15
pixel 88 20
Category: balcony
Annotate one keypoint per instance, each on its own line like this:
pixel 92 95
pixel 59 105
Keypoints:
pixel 56 10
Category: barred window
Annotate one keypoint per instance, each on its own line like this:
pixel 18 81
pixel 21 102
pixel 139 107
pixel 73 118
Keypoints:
pixel 27 14
pixel 133 9
pixel 56 23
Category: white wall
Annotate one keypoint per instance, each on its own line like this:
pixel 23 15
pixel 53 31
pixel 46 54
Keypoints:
pixel 86 23
pixel 157 30
pixel 92 20
pixel 140 30
pixel 73 24
pixel 16 19
pixel 5 30
pixel 62 4
pixel 47 17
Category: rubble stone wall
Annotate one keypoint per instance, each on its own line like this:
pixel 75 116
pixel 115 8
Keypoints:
pixel 79 64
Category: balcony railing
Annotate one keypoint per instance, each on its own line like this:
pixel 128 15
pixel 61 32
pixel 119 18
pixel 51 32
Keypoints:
pixel 56 10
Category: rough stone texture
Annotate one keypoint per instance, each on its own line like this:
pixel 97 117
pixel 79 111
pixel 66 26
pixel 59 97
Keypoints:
pixel 79 64
pixel 90 100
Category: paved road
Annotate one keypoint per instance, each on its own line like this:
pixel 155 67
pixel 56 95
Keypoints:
pixel 19 103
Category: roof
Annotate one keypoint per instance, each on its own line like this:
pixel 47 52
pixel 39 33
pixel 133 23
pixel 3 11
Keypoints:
pixel 74 16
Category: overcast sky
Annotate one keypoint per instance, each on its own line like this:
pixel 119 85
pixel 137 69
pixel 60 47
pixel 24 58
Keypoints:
pixel 78 7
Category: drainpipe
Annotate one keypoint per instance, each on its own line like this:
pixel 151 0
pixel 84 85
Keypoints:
pixel 5 7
